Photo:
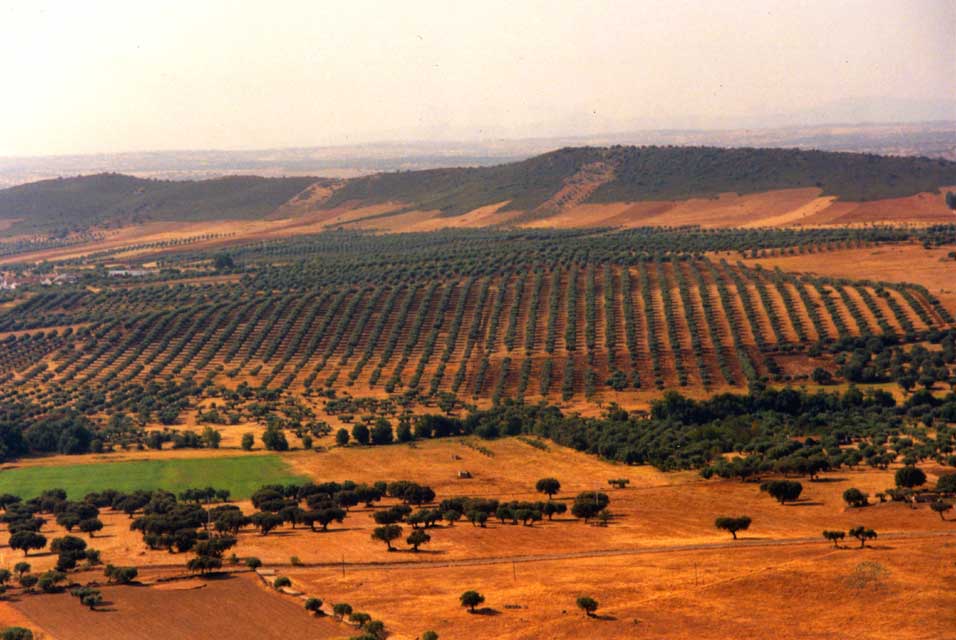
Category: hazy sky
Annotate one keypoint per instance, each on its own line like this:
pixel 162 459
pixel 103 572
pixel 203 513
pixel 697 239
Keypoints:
pixel 91 76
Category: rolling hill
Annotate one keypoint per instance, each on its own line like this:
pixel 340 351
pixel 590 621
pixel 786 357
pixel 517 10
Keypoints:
pixel 582 186
pixel 115 199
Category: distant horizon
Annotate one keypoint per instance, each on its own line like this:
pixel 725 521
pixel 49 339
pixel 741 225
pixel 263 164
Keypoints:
pixel 499 139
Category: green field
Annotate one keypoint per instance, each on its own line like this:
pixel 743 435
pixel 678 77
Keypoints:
pixel 240 475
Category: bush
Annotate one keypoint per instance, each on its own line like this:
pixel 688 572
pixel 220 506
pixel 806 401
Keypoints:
pixel 946 483
pixel 855 498
pixel 783 490
pixel 281 581
pixel 314 605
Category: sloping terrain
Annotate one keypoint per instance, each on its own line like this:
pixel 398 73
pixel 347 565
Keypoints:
pixel 114 199
pixel 653 174
pixel 571 187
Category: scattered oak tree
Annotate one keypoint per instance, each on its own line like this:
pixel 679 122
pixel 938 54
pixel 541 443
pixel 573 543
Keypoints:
pixel 783 490
pixel 834 536
pixel 941 507
pixel 471 599
pixel 588 605
pixel 387 534
pixel 417 538
pixel 27 540
pixel 733 525
pixel 863 534
pixel 548 486
pixel 856 498
pixel 909 477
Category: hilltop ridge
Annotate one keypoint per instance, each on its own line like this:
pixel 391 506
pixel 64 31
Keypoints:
pixel 546 189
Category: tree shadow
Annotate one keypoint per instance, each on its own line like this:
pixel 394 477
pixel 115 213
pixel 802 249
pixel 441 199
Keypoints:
pixel 422 552
pixel 218 576
pixel 106 606
pixel 828 479
pixel 807 503
pixel 485 611
pixel 603 616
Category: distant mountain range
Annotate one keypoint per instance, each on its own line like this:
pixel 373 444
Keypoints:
pixel 931 139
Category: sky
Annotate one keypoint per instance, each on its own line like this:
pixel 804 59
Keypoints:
pixel 107 77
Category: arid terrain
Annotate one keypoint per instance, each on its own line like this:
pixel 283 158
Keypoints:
pixel 257 393
pixel 659 568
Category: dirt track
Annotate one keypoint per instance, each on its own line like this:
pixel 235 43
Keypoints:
pixel 742 543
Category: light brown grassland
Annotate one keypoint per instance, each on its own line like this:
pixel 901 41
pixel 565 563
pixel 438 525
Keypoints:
pixel 660 569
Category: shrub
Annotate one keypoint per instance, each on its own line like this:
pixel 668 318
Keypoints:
pixel 281 581
pixel 783 490
pixel 855 498
pixel 314 605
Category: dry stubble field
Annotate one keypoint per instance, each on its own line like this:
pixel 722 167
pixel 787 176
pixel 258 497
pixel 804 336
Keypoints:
pixel 660 570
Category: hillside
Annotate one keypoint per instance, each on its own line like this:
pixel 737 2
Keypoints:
pixel 629 174
pixel 114 199
pixel 570 187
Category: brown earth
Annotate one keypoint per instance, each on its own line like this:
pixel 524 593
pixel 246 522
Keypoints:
pixel 784 207
pixel 660 561
pixel 230 607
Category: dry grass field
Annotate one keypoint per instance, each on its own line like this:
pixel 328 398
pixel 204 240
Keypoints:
pixel 897 589
pixel 235 607
pixel 659 569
